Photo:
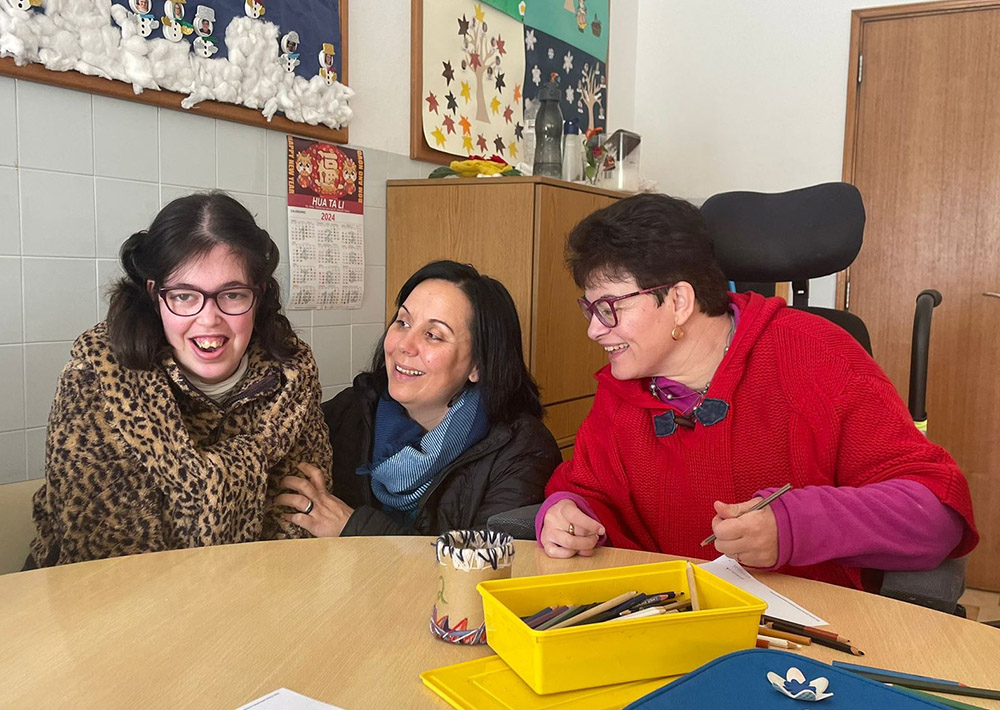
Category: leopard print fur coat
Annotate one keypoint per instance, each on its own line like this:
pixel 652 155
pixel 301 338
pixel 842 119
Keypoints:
pixel 140 461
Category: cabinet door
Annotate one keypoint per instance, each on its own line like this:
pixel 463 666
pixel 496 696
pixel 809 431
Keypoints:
pixel 488 224
pixel 564 359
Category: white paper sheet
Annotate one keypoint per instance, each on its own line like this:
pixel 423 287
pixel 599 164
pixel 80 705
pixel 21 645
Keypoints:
pixel 778 606
pixel 285 699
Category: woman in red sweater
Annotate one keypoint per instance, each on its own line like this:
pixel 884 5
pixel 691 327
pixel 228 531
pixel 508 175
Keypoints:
pixel 712 400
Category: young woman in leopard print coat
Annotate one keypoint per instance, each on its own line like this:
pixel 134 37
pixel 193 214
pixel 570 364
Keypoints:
pixel 175 419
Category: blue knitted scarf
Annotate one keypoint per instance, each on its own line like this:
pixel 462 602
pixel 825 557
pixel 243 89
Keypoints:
pixel 405 460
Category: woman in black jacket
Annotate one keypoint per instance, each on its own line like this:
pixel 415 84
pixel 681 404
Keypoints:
pixel 444 430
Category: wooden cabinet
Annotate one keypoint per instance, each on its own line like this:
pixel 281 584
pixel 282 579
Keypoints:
pixel 513 229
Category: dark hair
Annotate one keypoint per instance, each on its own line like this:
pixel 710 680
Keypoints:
pixel 654 239
pixel 506 384
pixel 186 229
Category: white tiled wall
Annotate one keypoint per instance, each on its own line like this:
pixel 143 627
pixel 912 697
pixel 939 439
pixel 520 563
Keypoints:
pixel 79 174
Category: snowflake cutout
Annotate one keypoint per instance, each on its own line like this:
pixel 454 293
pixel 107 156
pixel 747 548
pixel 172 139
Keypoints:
pixel 536 75
pixel 552 53
pixel 529 41
pixel 570 94
pixel 568 62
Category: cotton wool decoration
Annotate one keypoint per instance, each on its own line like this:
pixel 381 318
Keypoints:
pixel 99 38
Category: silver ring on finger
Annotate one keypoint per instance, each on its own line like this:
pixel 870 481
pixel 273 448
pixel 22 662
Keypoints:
pixel 309 508
pixel 571 529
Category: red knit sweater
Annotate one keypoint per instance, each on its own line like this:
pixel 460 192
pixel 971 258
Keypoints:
pixel 807 406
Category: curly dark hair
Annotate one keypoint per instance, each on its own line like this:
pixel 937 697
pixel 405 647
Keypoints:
pixel 654 239
pixel 186 229
pixel 507 386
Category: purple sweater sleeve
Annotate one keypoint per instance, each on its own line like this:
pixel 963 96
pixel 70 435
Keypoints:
pixel 581 503
pixel 890 525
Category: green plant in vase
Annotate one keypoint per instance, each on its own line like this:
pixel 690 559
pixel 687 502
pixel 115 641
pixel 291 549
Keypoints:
pixel 594 152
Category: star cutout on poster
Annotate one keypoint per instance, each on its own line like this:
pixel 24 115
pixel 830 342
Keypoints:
pixel 499 81
pixel 463 26
pixel 568 62
pixel 467 144
pixel 432 102
pixel 495 105
pixel 465 93
pixel 466 127
pixel 481 143
pixel 448 72
pixel 518 131
pixel 499 145
pixel 474 60
pixel 449 124
pixel 512 149
pixel 529 40
pixel 517 93
pixel 501 50
pixel 452 102
pixel 480 16
pixel 507 113
pixel 438 136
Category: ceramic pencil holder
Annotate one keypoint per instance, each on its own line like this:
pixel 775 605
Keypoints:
pixel 464 559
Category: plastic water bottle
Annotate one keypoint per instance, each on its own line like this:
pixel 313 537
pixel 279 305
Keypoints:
pixel 572 165
pixel 528 137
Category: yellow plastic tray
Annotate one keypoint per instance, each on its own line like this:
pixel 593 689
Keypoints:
pixel 604 654
pixel 490 684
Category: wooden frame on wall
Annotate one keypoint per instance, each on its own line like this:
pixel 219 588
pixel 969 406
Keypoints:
pixel 172 100
pixel 419 150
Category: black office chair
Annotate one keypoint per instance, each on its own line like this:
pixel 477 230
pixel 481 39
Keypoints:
pixel 803 234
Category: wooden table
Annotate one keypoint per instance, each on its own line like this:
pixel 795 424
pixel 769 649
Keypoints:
pixel 343 621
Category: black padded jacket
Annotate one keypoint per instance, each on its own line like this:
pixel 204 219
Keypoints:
pixel 507 469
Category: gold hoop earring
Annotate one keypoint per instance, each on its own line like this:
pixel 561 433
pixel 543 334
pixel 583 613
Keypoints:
pixel 676 332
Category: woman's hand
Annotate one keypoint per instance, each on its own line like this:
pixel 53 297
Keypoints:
pixel 568 531
pixel 328 515
pixel 750 539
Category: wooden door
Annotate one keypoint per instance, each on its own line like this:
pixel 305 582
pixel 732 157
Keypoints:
pixel 923 146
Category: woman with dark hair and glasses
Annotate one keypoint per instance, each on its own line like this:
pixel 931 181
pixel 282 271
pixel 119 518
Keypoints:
pixel 445 428
pixel 177 417
pixel 713 400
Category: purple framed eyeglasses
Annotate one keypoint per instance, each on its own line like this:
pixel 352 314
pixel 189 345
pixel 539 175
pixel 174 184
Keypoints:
pixel 604 308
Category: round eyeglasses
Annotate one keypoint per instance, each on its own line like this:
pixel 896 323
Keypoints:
pixel 188 301
pixel 604 308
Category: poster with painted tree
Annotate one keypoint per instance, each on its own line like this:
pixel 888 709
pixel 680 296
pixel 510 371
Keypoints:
pixel 473 70
pixel 569 38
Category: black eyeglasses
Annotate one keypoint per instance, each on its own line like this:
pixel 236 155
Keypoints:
pixel 604 308
pixel 187 301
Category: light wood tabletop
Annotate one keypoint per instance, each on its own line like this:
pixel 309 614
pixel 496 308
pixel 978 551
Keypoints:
pixel 344 621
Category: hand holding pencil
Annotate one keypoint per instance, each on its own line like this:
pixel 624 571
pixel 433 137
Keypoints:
pixel 747 531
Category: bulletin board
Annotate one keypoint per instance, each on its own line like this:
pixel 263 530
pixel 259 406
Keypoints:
pixel 281 66
pixel 475 63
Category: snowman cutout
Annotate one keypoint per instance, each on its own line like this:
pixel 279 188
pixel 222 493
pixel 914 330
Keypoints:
pixel 204 23
pixel 23 5
pixel 326 71
pixel 253 9
pixel 290 51
pixel 172 23
pixel 145 21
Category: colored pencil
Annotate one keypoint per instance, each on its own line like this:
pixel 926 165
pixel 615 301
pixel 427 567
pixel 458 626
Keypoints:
pixel 570 611
pixel 768 631
pixel 778 643
pixel 652 611
pixel 895 674
pixel 947 687
pixel 695 606
pixel 810 631
pixel 593 611
pixel 616 610
pixel 767 501
pixel 554 611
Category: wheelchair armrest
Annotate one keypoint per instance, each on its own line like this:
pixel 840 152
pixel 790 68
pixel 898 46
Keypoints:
pixel 518 523
pixel 939 588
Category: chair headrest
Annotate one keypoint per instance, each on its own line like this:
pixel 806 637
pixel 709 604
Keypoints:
pixel 786 236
